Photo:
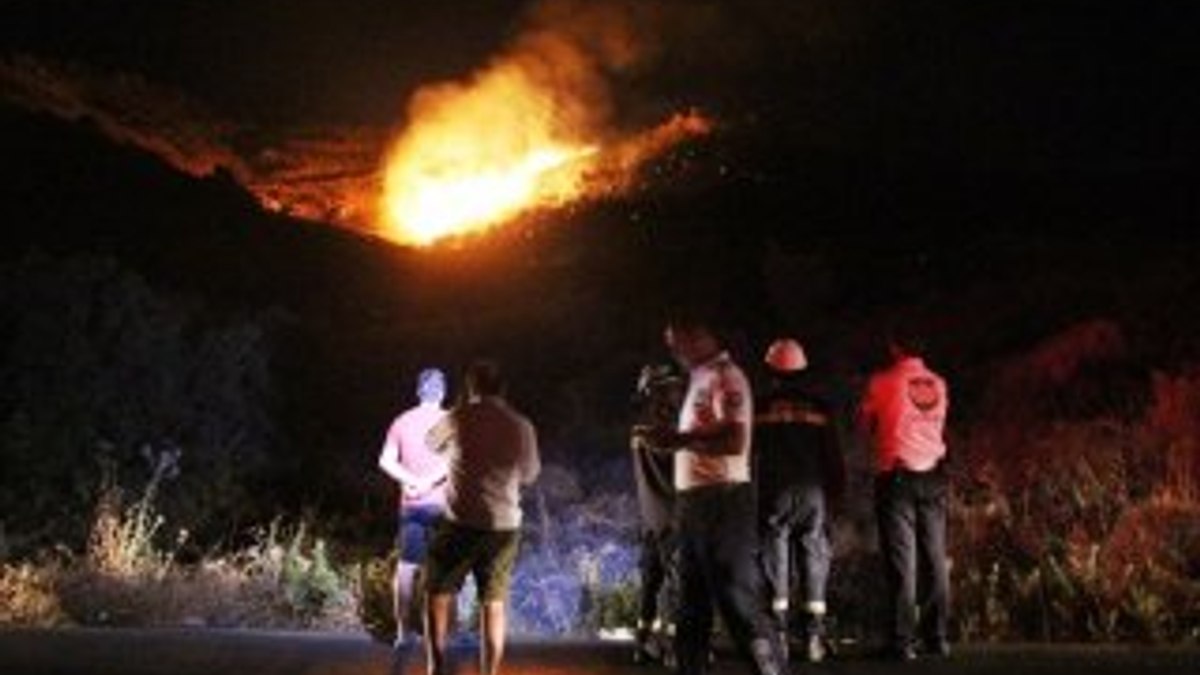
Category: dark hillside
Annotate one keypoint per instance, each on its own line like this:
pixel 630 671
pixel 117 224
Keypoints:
pixel 781 238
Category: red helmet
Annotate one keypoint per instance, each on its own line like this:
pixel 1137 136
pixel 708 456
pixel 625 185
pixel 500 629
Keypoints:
pixel 785 355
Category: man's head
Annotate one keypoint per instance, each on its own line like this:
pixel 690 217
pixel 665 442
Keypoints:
pixel 904 340
pixel 483 378
pixel 431 386
pixel 692 340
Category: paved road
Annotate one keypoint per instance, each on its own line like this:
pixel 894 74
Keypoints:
pixel 214 652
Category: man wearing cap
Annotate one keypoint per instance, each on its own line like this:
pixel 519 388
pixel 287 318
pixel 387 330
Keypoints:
pixel 715 505
pixel 903 412
pixel 798 471
pixel 421 475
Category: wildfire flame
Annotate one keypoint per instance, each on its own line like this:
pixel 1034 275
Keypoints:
pixel 533 129
pixel 476 156
pixel 529 132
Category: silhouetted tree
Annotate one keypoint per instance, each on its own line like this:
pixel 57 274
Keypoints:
pixel 102 372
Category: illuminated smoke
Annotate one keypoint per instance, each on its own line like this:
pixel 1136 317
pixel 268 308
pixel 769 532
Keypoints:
pixel 532 129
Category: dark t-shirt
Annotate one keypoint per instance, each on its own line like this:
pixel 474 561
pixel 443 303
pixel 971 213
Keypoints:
pixel 795 441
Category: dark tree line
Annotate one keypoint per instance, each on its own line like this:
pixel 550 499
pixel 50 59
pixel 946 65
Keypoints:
pixel 103 375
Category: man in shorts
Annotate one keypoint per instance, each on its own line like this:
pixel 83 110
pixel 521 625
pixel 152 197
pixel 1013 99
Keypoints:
pixel 421 475
pixel 492 450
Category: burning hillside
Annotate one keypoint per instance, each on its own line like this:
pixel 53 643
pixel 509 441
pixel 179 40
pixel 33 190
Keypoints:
pixel 318 174
pixel 534 128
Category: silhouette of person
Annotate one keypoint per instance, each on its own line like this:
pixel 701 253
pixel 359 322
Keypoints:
pixel 421 475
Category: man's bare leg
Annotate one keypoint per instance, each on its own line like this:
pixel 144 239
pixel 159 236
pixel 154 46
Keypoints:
pixel 402 593
pixel 492 627
pixel 437 630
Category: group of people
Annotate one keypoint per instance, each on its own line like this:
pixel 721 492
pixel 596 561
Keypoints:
pixel 735 495
pixel 460 473
pixel 736 490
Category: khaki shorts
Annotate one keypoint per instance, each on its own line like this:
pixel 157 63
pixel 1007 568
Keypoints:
pixel 457 550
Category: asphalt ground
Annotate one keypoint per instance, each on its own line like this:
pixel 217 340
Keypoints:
pixel 232 652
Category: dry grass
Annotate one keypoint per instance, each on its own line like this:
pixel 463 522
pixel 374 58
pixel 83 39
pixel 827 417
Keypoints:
pixel 283 579
pixel 1090 530
pixel 28 595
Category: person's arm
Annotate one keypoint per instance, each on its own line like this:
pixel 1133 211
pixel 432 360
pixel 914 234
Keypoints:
pixel 531 461
pixel 441 435
pixel 725 433
pixel 718 438
pixel 390 461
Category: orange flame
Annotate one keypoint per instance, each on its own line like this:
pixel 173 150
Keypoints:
pixel 475 157
pixel 526 133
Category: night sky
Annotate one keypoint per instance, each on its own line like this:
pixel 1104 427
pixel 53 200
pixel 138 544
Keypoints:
pixel 1046 85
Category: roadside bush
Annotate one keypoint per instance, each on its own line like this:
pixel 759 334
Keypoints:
pixel 1090 532
pixel 375 596
pixel 28 595
pixel 282 577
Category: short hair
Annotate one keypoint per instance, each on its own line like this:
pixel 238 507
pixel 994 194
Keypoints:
pixel 693 320
pixel 431 385
pixel 484 378
pixel 905 337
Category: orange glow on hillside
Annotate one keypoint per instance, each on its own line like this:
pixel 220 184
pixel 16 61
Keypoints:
pixel 476 156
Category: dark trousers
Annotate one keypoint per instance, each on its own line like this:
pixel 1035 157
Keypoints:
pixel 659 579
pixel 718 567
pixel 796 544
pixel 911 511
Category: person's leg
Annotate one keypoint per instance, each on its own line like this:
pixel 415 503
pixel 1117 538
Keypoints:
pixel 493 573
pixel 815 554
pixel 446 566
pixel 493 626
pixel 668 552
pixel 416 527
pixel 896 517
pixel 776 556
pixel 693 613
pixel 736 581
pixel 402 593
pixel 437 631
pixel 653 575
pixel 935 577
